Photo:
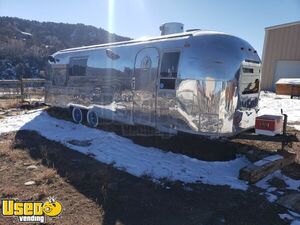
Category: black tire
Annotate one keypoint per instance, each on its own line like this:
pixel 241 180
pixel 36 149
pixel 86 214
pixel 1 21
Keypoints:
pixel 77 115
pixel 92 118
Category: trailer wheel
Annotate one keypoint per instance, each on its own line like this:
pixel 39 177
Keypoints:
pixel 92 118
pixel 77 115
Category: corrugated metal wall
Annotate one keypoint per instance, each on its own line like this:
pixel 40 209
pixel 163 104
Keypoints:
pixel 281 43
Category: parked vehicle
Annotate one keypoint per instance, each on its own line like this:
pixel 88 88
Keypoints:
pixel 200 82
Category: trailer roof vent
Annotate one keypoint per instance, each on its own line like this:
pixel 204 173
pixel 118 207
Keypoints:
pixel 190 30
pixel 171 28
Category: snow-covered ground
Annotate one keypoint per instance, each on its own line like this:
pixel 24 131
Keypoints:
pixel 137 160
pixel 291 216
pixel 125 155
pixel 272 193
pixel 270 103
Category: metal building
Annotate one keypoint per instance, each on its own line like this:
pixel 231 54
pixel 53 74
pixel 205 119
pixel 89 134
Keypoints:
pixel 281 54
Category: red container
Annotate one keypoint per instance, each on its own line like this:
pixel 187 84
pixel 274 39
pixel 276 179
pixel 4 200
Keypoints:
pixel 268 125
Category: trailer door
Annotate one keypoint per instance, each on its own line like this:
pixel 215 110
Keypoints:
pixel 144 86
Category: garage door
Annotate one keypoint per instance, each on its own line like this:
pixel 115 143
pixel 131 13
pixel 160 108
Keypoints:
pixel 286 69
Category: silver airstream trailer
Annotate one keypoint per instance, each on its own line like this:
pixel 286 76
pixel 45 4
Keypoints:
pixel 199 82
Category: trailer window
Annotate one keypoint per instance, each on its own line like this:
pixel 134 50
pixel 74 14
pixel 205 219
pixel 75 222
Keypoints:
pixel 169 64
pixel 247 70
pixel 77 67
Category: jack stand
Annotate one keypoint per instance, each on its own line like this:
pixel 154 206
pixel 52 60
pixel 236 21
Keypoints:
pixel 284 142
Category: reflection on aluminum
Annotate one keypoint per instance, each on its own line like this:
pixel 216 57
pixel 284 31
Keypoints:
pixel 208 97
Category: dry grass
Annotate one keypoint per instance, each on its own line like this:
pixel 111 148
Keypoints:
pixel 47 176
pixel 4 154
pixel 9 192
pixel 42 192
pixel 9 103
pixel 15 155
pixel 95 193
pixel 5 150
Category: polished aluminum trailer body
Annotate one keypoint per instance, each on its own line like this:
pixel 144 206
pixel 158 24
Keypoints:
pixel 199 82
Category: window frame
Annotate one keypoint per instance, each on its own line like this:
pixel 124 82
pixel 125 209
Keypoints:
pixel 162 58
pixel 248 70
pixel 71 65
pixel 178 50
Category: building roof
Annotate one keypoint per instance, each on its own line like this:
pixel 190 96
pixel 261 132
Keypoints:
pixel 283 25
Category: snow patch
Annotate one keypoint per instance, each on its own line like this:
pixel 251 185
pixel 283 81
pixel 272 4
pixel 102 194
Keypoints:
pixel 296 218
pixel 297 127
pixel 288 81
pixel 137 160
pixel 270 103
pixel 286 216
pixel 292 216
pixel 267 160
pixel 25 33
pixel 291 183
pixel 271 197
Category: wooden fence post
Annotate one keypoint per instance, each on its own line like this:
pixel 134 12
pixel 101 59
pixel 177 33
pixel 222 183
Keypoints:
pixel 22 87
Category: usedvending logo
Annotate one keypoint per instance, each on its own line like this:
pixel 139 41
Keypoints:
pixel 31 211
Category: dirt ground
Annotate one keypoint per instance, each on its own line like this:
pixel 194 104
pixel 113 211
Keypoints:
pixel 92 192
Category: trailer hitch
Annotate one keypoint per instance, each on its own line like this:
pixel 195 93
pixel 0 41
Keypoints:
pixel 285 138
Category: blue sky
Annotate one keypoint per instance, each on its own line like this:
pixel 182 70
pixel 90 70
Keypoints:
pixel 137 18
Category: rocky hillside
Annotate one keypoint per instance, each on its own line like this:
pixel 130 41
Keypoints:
pixel 30 42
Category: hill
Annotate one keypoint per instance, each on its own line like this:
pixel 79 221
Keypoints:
pixel 31 42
